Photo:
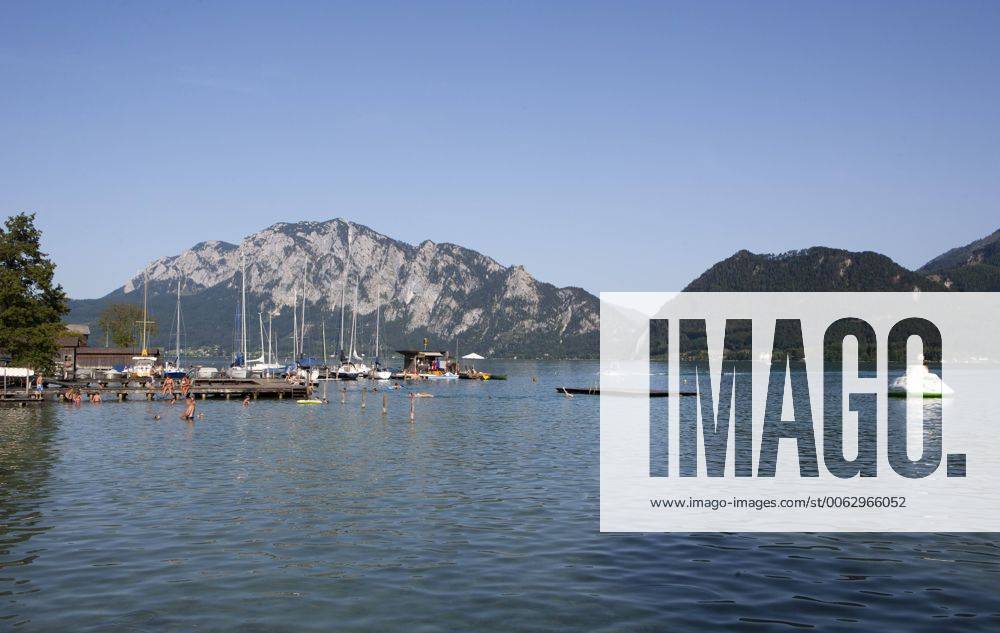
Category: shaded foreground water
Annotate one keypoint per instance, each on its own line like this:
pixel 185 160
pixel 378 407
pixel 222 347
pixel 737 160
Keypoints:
pixel 482 515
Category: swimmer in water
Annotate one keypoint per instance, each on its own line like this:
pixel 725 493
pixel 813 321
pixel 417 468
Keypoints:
pixel 246 401
pixel 189 410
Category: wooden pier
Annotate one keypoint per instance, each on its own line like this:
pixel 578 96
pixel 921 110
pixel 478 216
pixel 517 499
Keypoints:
pixel 203 388
pixel 18 398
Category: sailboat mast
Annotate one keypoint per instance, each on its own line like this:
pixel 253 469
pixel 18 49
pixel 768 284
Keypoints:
pixel 295 323
pixel 269 340
pixel 177 364
pixel 324 341
pixel 243 308
pixel 302 326
pixel 354 320
pixel 145 288
pixel 378 298
pixel 260 321
pixel 343 289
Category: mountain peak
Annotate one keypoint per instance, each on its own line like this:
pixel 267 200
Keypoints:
pixel 818 268
pixel 440 290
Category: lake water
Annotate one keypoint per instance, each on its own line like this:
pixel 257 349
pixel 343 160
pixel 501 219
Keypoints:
pixel 482 515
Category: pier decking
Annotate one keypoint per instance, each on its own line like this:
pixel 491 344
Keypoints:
pixel 18 398
pixel 202 389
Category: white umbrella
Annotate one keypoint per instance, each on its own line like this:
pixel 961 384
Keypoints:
pixel 473 356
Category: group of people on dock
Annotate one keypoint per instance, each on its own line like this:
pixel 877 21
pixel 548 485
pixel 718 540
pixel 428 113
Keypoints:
pixel 169 386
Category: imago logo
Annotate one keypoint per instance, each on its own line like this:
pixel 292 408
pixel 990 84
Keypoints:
pixel 799 411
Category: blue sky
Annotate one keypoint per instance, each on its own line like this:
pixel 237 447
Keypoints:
pixel 614 146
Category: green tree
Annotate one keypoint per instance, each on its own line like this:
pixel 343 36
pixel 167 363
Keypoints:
pixel 122 323
pixel 31 305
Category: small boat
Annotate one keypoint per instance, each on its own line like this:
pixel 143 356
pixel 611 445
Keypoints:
pixel 266 369
pixel 309 401
pixel 239 368
pixel 143 366
pixel 596 391
pixel 352 371
pixel 448 375
pixel 175 370
pixel 206 372
pixel 481 375
pixel 238 371
pixel 926 383
pixel 377 372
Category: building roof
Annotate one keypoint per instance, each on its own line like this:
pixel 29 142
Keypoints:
pixel 16 372
pixel 420 352
pixel 114 351
pixel 78 328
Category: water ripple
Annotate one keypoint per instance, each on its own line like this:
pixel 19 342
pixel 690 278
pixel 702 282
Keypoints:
pixel 481 516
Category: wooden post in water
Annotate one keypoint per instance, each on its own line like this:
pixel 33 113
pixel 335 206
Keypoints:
pixel 413 401
pixel 385 398
pixel 343 395
pixel 364 393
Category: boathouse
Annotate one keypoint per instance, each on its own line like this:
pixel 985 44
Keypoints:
pixel 421 361
pixel 76 355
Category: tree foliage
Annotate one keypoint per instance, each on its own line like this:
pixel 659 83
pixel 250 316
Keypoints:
pixel 31 304
pixel 121 322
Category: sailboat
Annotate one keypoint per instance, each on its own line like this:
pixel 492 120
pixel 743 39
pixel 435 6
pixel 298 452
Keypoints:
pixel 239 368
pixel 175 371
pixel 262 365
pixel 354 367
pixel 377 372
pixel 143 365
pixel 342 358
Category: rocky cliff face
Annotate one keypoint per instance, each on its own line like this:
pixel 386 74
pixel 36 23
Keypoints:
pixel 443 291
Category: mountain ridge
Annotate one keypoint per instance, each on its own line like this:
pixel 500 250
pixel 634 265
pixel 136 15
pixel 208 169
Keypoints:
pixel 975 266
pixel 462 299
pixel 441 291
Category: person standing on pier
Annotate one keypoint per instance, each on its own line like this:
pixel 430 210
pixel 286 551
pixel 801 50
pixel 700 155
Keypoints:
pixel 185 386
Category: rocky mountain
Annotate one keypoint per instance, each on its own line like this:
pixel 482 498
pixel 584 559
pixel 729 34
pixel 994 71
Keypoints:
pixel 452 295
pixel 457 297
pixel 973 267
pixel 813 269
